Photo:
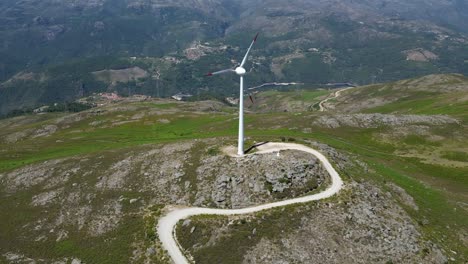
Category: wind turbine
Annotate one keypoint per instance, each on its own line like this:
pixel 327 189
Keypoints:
pixel 239 70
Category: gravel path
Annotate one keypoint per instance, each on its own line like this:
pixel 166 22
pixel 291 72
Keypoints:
pixel 335 95
pixel 167 223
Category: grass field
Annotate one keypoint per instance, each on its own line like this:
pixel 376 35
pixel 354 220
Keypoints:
pixel 277 101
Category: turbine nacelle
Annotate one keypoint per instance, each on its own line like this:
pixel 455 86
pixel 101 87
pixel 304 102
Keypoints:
pixel 240 71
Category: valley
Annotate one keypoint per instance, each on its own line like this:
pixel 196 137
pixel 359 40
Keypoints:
pixel 161 48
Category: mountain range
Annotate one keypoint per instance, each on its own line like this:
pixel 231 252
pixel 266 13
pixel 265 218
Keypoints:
pixel 55 51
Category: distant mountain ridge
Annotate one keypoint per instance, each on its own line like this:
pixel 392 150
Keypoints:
pixel 50 48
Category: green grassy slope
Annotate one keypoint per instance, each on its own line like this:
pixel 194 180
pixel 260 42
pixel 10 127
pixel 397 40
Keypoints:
pixel 430 95
pixel 291 101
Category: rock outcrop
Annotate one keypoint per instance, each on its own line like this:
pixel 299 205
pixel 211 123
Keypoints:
pixel 376 120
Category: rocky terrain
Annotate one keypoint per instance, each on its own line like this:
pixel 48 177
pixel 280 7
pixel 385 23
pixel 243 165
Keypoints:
pixel 377 120
pixel 371 229
pixel 92 195
pixel 75 185
pixel 362 226
pixel 239 184
pixel 365 223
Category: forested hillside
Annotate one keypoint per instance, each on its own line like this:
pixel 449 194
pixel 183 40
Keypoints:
pixel 51 50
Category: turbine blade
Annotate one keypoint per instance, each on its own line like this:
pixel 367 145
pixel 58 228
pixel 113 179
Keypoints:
pixel 219 72
pixel 248 51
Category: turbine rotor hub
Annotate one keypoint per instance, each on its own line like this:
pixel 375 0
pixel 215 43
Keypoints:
pixel 240 71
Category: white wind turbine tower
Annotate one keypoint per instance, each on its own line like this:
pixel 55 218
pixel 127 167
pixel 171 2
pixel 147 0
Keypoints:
pixel 239 70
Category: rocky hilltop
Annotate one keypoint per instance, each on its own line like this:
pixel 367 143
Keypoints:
pixel 365 227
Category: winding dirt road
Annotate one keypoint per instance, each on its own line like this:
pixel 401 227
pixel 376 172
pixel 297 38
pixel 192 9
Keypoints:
pixel 335 95
pixel 167 223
